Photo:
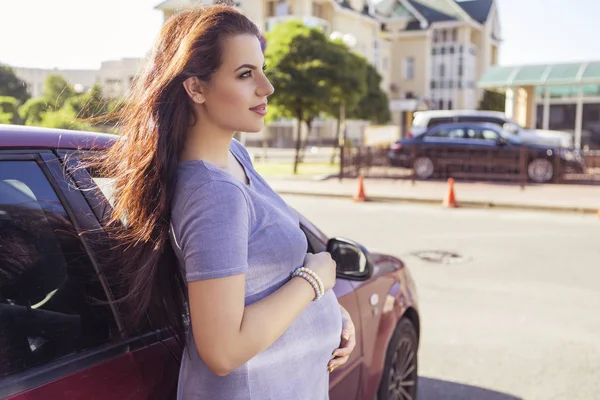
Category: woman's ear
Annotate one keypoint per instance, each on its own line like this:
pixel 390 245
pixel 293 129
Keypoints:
pixel 194 89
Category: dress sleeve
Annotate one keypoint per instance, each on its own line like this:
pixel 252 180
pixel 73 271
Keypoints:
pixel 213 229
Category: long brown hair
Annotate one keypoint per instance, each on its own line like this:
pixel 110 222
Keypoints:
pixel 143 161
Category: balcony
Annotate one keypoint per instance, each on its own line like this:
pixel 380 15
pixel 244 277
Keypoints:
pixel 310 21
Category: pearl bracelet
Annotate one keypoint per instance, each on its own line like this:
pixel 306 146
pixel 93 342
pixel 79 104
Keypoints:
pixel 315 277
pixel 313 282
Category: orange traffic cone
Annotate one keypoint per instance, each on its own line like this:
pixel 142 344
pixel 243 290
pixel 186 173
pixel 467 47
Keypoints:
pixel 450 200
pixel 360 194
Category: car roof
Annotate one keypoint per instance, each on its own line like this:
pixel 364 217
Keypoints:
pixel 456 125
pixel 18 136
pixel 455 113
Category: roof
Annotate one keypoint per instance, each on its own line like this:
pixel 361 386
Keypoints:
pixel 479 10
pixel 541 75
pixel 430 14
pixel 18 136
pixel 414 25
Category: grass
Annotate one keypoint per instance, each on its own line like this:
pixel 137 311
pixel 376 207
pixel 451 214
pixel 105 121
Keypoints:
pixel 286 169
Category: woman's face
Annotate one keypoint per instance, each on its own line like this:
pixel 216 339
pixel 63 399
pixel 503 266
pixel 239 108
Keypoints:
pixel 236 97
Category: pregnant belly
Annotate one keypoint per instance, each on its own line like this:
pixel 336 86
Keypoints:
pixel 319 329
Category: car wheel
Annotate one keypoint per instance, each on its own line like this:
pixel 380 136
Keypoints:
pixel 540 170
pixel 400 376
pixel 423 167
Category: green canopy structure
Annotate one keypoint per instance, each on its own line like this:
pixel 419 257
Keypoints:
pixel 584 73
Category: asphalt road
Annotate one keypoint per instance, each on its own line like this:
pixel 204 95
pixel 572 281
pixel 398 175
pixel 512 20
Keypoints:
pixel 517 316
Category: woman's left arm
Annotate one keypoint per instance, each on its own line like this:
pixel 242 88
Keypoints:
pixel 347 344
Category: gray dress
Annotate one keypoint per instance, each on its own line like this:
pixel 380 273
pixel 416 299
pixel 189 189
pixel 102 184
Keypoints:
pixel 222 227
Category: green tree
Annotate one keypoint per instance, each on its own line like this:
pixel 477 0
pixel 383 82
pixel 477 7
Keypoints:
pixel 64 118
pixel 492 101
pixel 57 91
pixel 346 75
pixel 32 111
pixel 91 104
pixel 295 56
pixel 9 110
pixel 11 85
pixel 373 105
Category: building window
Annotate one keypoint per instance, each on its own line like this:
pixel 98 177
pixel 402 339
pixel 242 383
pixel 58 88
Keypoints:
pixel 436 36
pixel 318 10
pixel 443 50
pixel 460 85
pixel 282 9
pixel 451 84
pixel 434 51
pixel 454 34
pixel 441 105
pixel 442 70
pixel 409 69
pixel 451 49
pixel 444 36
pixel 432 84
pixel 449 104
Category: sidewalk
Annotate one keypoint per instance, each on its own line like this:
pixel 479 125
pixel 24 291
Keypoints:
pixel 563 198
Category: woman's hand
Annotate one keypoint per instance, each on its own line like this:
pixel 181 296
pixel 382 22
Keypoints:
pixel 323 265
pixel 348 342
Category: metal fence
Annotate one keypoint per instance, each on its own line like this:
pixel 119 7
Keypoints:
pixel 374 162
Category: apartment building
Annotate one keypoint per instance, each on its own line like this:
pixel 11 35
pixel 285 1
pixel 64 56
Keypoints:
pixel 440 49
pixel 433 50
pixel 115 77
pixel 430 51
pixel 347 17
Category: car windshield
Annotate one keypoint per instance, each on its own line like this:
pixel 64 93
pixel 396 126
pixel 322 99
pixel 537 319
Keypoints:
pixel 511 137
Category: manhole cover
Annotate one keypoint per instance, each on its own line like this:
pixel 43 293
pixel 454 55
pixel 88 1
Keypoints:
pixel 440 257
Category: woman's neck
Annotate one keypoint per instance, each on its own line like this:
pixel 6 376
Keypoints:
pixel 208 145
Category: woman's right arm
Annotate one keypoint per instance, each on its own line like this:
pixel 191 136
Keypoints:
pixel 214 230
pixel 227 334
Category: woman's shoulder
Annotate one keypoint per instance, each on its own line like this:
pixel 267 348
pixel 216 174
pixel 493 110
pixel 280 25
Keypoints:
pixel 199 179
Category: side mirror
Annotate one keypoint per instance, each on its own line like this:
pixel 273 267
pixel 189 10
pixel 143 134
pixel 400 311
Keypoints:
pixel 351 258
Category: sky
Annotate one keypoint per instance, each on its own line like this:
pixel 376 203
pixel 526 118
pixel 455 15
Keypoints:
pixel 80 34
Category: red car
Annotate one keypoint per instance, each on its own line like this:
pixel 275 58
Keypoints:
pixel 59 340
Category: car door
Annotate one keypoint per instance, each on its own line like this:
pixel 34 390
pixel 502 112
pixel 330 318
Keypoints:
pixel 155 354
pixel 344 383
pixel 59 338
pixel 506 155
pixel 444 146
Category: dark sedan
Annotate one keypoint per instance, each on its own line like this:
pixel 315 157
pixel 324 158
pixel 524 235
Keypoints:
pixel 481 149
pixel 59 339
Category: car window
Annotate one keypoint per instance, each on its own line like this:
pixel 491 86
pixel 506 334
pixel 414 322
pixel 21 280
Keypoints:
pixel 473 134
pixel 454 133
pixel 49 294
pixel 489 134
pixel 440 120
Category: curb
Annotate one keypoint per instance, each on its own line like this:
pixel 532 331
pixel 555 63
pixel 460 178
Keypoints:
pixel 463 204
